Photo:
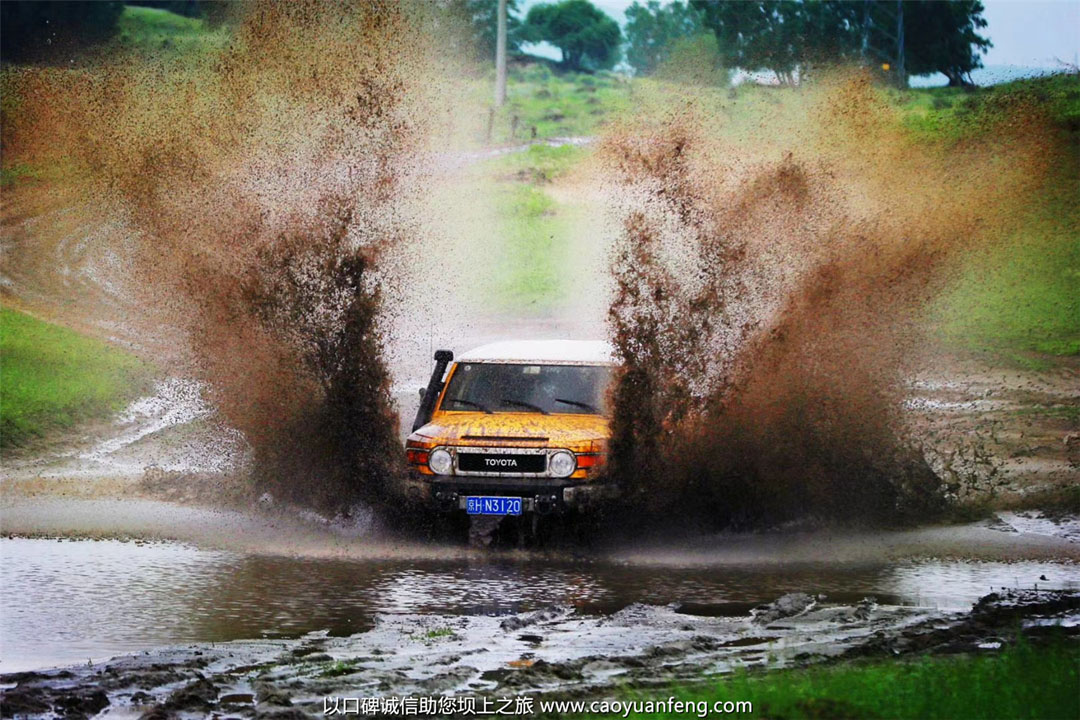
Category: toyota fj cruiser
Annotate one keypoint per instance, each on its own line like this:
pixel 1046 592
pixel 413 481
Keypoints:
pixel 512 428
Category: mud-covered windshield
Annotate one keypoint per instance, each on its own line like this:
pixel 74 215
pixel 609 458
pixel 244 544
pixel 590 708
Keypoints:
pixel 498 387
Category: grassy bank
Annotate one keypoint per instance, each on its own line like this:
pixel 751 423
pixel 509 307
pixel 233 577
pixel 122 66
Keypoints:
pixel 52 377
pixel 1019 301
pixel 1022 299
pixel 1023 681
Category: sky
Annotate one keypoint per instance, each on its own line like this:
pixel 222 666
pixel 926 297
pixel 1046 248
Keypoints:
pixel 1028 33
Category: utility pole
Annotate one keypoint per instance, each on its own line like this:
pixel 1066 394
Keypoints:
pixel 500 57
pixel 864 50
pixel 901 65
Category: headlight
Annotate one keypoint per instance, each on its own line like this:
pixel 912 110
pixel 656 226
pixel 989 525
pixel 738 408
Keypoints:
pixel 562 463
pixel 440 462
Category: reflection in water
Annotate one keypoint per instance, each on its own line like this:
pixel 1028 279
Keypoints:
pixel 66 601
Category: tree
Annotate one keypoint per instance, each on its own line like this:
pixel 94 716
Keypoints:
pixel 785 35
pixel 589 39
pixel 695 60
pixel 943 37
pixel 782 35
pixel 652 32
pixel 481 19
pixel 39 30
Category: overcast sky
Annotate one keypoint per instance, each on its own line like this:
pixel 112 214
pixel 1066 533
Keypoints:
pixel 1024 32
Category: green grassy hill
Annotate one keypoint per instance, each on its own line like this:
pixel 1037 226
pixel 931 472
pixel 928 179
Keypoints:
pixel 52 377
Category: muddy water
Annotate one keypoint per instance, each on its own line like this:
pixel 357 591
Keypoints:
pixel 65 602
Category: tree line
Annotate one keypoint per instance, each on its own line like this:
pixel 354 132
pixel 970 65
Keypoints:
pixel 786 37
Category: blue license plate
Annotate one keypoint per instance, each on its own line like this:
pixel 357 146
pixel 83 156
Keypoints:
pixel 490 505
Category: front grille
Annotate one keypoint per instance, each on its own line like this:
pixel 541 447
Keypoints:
pixel 502 462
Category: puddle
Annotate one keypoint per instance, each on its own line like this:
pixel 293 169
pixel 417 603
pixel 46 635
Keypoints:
pixel 66 602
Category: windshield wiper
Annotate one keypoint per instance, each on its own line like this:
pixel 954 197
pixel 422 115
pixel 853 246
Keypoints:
pixel 470 402
pixel 578 403
pixel 521 403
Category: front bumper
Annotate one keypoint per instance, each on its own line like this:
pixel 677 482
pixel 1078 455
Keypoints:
pixel 540 495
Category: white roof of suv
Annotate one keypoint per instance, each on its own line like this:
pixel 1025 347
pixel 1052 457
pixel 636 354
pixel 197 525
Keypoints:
pixel 552 352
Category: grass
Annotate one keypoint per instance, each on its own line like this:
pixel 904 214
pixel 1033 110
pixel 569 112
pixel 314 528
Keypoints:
pixel 339 668
pixel 533 229
pixel 541 104
pixel 1022 681
pixel 956 112
pixel 52 377
pixel 153 31
pixel 437 633
pixel 539 164
pixel 1022 297
pixel 1019 301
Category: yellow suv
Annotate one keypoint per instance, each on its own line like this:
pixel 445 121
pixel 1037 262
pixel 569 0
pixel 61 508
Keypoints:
pixel 513 428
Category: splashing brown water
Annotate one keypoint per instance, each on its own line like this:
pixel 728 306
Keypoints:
pixel 770 300
pixel 268 185
pixel 770 288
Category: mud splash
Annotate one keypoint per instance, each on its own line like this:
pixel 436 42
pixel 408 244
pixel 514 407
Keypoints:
pixel 770 299
pixel 268 187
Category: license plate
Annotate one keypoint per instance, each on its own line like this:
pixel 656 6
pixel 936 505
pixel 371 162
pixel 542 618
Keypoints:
pixel 490 505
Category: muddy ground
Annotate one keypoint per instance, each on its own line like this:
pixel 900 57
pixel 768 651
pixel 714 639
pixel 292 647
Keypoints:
pixel 549 651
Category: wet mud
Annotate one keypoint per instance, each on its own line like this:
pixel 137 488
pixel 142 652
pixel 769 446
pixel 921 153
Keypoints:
pixel 549 651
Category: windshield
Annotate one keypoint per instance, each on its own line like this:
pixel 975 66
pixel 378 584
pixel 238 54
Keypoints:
pixel 499 387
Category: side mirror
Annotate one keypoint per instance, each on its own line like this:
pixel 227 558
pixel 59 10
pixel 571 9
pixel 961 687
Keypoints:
pixel 423 392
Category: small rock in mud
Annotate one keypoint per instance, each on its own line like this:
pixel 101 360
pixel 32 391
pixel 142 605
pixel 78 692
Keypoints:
pixel 516 622
pixel 199 695
pixel 786 606
pixel 495 675
pixel 1007 604
pixel 237 699
pixel 666 650
pixel 82 704
pixel 997 523
pixel 603 665
pixel 542 672
pixel 269 695
pixel 306 650
pixel 318 658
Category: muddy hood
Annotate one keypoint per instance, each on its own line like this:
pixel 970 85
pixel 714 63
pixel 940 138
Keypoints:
pixel 582 433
